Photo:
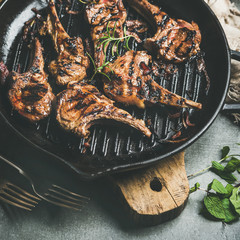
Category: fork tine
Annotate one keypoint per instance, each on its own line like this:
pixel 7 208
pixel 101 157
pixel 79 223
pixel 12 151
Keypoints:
pixel 16 199
pixel 61 204
pixel 20 195
pixel 63 200
pixel 23 191
pixel 67 196
pixel 72 193
pixel 14 204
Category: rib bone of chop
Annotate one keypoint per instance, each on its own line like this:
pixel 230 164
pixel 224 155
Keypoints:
pixel 131 83
pixel 101 14
pixel 174 40
pixel 80 106
pixel 31 94
pixel 71 64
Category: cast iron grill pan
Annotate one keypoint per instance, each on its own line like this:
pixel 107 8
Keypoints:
pixel 114 146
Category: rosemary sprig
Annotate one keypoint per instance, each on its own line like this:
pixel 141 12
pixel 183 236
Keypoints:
pixel 109 37
pixel 84 2
pixel 88 1
pixel 99 69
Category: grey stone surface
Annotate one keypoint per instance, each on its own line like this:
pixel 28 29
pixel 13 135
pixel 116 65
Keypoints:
pixel 103 217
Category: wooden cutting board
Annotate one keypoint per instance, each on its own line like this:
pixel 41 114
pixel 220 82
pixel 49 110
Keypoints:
pixel 155 194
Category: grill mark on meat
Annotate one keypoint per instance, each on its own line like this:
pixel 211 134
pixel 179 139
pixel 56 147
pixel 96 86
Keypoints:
pixel 140 88
pixel 160 41
pixel 88 105
pixel 190 35
pixel 178 48
pixel 167 48
pixel 139 82
pixel 35 70
pixel 129 81
pixel 169 30
pixel 130 70
pixel 129 92
pixel 164 21
pixel 136 28
pixel 131 67
pixel 119 92
pixel 99 15
pixel 71 63
pixel 30 94
pixel 190 48
pixel 62 72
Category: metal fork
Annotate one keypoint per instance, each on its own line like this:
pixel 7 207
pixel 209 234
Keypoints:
pixel 55 194
pixel 16 196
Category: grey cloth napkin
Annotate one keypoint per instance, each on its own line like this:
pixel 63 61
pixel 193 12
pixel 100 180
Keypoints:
pixel 229 17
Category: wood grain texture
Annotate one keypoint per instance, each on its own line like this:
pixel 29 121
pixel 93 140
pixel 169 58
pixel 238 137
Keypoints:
pixel 141 196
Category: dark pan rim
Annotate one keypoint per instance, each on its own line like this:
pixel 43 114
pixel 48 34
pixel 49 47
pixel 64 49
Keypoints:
pixel 125 167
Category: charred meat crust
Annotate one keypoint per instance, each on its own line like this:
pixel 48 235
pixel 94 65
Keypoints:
pixel 131 83
pixel 81 105
pixel 174 40
pixel 136 28
pixel 30 94
pixel 101 14
pixel 71 64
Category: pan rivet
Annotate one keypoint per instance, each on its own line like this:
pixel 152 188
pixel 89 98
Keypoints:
pixel 156 185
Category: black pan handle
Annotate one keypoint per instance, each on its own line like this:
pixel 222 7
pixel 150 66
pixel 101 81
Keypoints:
pixel 235 55
pixel 232 107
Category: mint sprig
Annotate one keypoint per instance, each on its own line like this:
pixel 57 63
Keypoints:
pixel 223 203
pixel 223 172
pixel 235 199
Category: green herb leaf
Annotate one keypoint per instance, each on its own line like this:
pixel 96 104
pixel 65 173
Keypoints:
pixel 224 203
pixel 217 186
pixel 99 69
pixel 225 151
pixel 219 170
pixel 230 215
pixel 109 37
pixel 194 188
pixel 104 74
pixel 214 206
pixel 83 2
pixel 217 166
pixel 228 177
pixel 235 199
pixel 229 189
pixel 232 165
pixel 114 29
pixel 117 44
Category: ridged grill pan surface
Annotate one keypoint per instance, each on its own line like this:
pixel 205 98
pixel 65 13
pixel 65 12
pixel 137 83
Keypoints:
pixel 115 147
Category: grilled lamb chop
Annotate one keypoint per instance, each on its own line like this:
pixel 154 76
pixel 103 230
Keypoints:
pixel 71 64
pixel 136 28
pixel 175 40
pixel 101 15
pixel 80 106
pixel 131 83
pixel 31 94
